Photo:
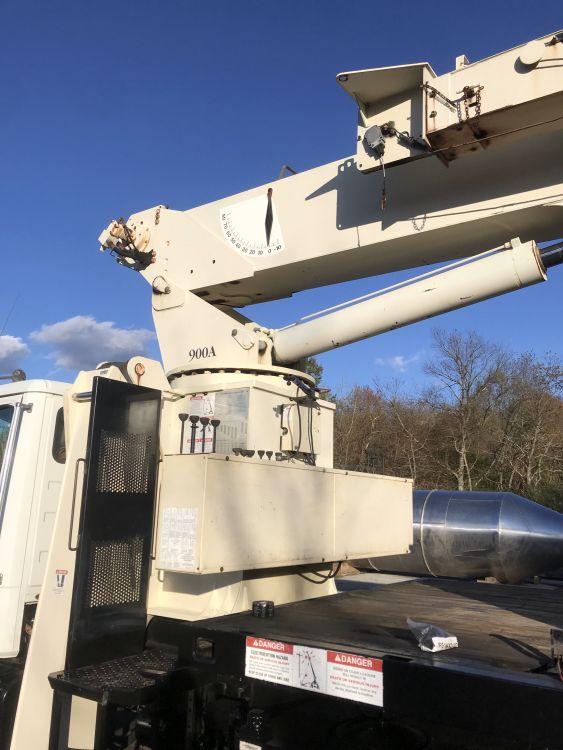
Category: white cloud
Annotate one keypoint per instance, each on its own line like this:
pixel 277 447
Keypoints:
pixel 12 351
pixel 81 342
pixel 398 362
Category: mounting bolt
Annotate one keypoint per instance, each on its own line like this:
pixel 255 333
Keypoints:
pixel 263 608
pixel 139 371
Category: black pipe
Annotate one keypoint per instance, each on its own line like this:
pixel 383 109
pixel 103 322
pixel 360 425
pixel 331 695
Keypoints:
pixel 552 255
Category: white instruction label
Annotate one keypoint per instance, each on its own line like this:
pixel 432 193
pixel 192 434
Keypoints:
pixel 338 673
pixel 358 678
pixel 200 436
pixel 243 745
pixel 178 539
pixel 202 405
pixel 267 660
pixel 61 575
pixel 309 668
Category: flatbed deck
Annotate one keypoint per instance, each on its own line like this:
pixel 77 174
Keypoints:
pixel 500 681
pixel 506 627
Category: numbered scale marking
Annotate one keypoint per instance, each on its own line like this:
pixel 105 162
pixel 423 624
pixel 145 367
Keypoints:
pixel 244 227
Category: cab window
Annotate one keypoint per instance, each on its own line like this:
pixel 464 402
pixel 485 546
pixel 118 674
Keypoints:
pixel 59 446
pixel 6 414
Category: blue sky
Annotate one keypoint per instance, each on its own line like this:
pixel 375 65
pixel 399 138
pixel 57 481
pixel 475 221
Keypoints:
pixel 111 107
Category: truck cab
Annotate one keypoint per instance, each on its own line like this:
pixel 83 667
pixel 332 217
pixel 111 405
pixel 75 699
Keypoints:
pixel 32 461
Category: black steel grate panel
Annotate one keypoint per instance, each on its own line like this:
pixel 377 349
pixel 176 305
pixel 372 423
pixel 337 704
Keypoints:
pixel 115 572
pixel 123 462
pixel 108 617
pixel 124 673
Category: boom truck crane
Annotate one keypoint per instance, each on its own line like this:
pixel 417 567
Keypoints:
pixel 200 521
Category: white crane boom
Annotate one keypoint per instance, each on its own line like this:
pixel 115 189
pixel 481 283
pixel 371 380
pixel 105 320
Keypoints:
pixel 473 159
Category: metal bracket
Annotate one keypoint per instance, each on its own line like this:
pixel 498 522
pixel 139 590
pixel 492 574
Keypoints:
pixel 71 527
pixel 286 170
pixel 243 338
pixel 83 396
pixel 156 511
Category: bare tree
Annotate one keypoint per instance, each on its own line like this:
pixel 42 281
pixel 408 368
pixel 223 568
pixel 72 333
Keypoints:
pixel 489 420
pixel 410 425
pixel 530 445
pixel 469 376
pixel 357 415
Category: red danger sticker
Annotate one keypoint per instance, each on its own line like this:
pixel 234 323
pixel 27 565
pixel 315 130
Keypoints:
pixel 264 643
pixel 339 673
pixel 353 660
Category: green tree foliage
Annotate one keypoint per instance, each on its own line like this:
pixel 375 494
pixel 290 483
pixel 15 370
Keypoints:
pixel 313 367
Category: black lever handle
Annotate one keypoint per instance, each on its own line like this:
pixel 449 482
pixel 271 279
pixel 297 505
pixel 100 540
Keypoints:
pixel 182 418
pixel 215 423
pixel 194 420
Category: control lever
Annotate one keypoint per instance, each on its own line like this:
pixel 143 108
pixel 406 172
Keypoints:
pixel 194 420
pixel 215 423
pixel 204 421
pixel 182 418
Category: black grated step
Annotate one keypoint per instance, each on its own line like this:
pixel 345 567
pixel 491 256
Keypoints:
pixel 127 681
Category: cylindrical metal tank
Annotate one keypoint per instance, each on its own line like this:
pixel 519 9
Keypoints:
pixel 479 534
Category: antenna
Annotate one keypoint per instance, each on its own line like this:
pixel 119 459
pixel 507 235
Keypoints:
pixel 9 315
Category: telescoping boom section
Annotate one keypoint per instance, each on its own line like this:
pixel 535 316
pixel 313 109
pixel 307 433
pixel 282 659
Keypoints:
pixel 481 165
